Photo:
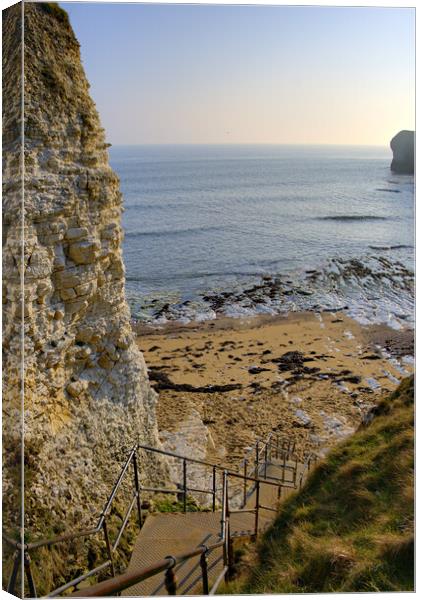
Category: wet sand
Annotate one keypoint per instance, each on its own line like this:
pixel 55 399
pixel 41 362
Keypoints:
pixel 310 376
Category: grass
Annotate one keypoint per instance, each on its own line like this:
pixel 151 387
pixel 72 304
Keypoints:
pixel 167 505
pixel 350 529
pixel 52 8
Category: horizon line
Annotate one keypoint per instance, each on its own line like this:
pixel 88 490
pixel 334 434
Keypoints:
pixel 387 145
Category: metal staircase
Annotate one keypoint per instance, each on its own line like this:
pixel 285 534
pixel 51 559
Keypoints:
pixel 179 552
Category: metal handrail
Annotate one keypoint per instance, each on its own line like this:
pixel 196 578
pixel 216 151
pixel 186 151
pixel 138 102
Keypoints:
pixel 180 456
pixel 266 447
pixel 122 582
pixel 84 532
pixel 269 442
pixel 91 531
pixel 117 485
pixel 77 580
pixel 308 459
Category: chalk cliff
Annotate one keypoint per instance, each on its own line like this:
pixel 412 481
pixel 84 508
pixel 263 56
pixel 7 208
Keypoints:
pixel 402 146
pixel 87 395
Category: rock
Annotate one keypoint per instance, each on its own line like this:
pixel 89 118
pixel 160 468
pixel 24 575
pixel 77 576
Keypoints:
pixel 76 233
pixel 75 388
pixel 292 361
pixel 402 146
pixel 191 438
pixel 85 288
pixel 105 362
pixel 84 334
pixel 335 426
pixel 60 259
pixel 83 253
pixel 52 360
pixel 163 382
pixel 304 419
pixel 122 342
pixel 255 370
pixel 76 306
pixel 68 294
pixel 67 279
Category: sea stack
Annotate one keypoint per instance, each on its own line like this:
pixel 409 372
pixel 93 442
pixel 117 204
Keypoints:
pixel 402 146
pixel 86 393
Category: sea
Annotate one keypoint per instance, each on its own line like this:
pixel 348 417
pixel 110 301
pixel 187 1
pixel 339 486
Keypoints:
pixel 242 230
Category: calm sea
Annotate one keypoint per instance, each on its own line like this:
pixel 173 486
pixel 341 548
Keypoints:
pixel 247 229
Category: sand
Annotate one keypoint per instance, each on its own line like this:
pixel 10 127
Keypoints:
pixel 317 396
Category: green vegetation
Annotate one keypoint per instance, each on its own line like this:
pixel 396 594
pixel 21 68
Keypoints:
pixel 52 8
pixel 170 505
pixel 351 527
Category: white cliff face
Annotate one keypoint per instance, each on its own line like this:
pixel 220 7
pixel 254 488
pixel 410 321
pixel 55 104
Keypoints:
pixel 87 394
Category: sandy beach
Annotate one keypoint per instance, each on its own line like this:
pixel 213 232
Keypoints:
pixel 311 376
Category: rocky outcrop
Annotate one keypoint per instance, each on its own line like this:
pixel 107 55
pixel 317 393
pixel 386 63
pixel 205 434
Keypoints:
pixel 87 397
pixel 402 146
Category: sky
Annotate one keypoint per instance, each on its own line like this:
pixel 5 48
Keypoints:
pixel 248 74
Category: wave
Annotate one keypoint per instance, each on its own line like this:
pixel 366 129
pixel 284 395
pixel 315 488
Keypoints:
pixel 397 247
pixel 369 288
pixel 165 205
pixel 171 232
pixel 352 218
pixel 197 275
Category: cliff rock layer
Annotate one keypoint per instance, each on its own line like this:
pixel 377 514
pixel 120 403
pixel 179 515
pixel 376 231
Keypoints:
pixel 87 395
pixel 402 146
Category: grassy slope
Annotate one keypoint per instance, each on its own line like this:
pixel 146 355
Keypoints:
pixel 351 527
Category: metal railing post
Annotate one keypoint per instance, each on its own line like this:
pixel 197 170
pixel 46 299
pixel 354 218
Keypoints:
pixel 230 555
pixel 29 578
pixel 204 567
pixel 13 576
pixel 109 549
pixel 223 511
pixel 266 461
pixel 295 472
pixel 170 578
pixel 185 485
pixel 229 547
pixel 213 489
pixel 224 528
pixel 256 470
pixel 256 517
pixel 284 462
pixel 137 489
pixel 245 482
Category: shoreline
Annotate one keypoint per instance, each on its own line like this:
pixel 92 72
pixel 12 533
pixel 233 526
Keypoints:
pixel 370 288
pixel 311 376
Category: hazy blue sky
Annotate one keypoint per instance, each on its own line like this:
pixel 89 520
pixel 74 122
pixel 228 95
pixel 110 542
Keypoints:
pixel 248 74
